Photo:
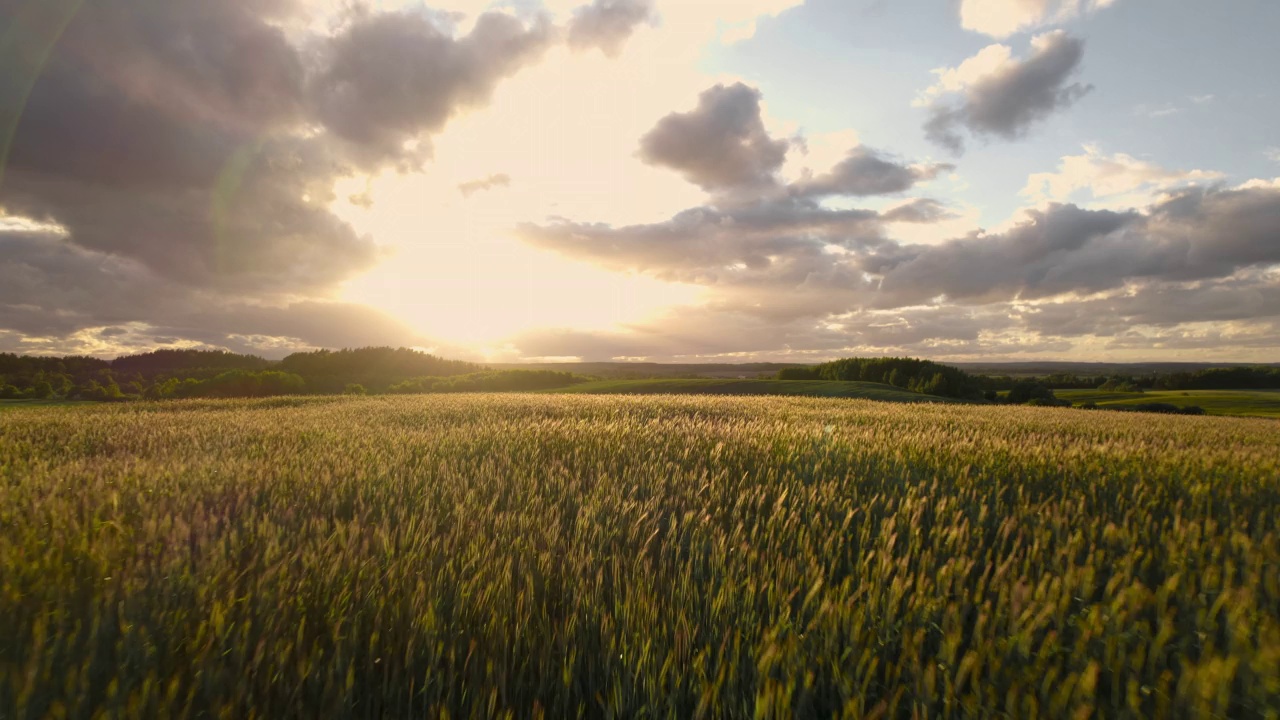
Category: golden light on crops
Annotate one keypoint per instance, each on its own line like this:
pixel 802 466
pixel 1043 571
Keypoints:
pixel 733 557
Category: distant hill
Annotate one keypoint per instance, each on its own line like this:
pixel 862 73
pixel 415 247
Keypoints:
pixel 1016 369
pixel 642 370
pixel 806 388
pixel 188 363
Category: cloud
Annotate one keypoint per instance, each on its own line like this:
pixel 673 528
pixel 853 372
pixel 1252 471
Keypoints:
pixel 727 335
pixel 787 274
pixel 262 225
pixel 789 259
pixel 919 210
pixel 1210 341
pixel 866 172
pixel 992 94
pixel 75 297
pixel 187 156
pixel 1249 296
pixel 388 78
pixel 184 137
pixel 711 246
pixel 607 24
pixel 1195 234
pixel 157 100
pixel 493 181
pixel 173 182
pixel 1110 177
pixel 722 145
pixel 1234 319
pixel 1047 254
pixel 688 335
pixel 51 286
pixel 1002 18
pixel 1272 154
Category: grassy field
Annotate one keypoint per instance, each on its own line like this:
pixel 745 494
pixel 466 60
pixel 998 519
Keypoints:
pixel 31 404
pixel 1243 403
pixel 603 556
pixel 806 388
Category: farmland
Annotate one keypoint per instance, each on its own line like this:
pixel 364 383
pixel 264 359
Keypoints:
pixel 609 556
pixel 1244 403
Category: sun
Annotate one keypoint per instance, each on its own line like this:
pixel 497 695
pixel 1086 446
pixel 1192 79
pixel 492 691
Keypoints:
pixel 462 295
pixel 454 267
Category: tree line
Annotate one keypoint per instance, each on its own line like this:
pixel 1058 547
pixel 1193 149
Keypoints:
pixel 1258 377
pixel 221 374
pixel 916 375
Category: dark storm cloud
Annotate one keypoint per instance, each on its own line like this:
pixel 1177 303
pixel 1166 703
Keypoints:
pixel 390 77
pixel 158 132
pixel 865 172
pixel 1009 101
pixel 493 181
pixel 261 227
pixel 51 286
pixel 607 24
pixel 722 145
pixel 150 94
pixel 189 150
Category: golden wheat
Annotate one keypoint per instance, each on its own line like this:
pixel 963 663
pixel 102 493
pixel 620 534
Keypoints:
pixel 525 556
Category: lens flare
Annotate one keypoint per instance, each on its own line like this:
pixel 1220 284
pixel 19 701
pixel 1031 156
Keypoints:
pixel 34 28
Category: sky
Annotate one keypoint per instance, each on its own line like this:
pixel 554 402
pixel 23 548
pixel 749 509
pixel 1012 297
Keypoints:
pixel 659 180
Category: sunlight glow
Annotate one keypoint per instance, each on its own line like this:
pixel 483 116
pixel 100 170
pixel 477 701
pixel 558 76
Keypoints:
pixel 455 270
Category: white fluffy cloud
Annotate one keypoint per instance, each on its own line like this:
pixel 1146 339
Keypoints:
pixel 996 94
pixel 990 60
pixel 1117 180
pixel 1002 18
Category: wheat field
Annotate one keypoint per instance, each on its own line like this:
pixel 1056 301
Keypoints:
pixel 601 556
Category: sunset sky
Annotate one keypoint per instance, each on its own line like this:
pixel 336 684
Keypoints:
pixel 668 180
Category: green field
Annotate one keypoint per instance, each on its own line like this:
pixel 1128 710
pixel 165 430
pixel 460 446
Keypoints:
pixel 717 386
pixel 602 556
pixel 1244 403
